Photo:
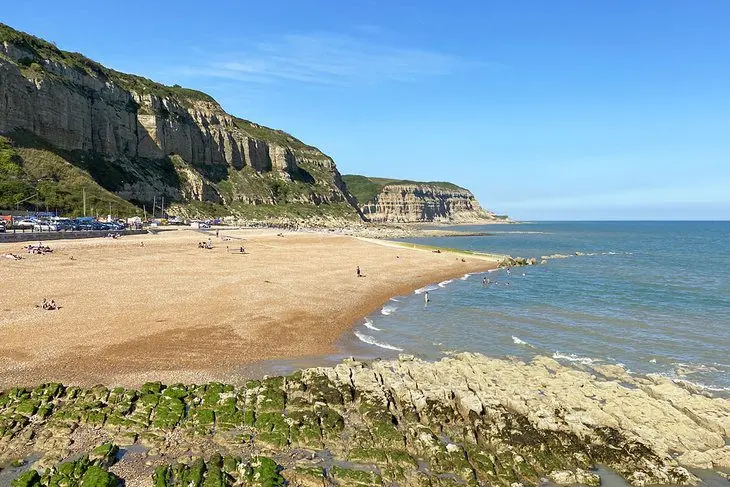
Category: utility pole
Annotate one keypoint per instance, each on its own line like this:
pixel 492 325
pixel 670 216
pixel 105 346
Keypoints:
pixel 84 193
pixel 163 207
pixel 144 208
pixel 154 204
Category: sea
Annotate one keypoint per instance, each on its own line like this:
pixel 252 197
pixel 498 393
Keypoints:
pixel 653 297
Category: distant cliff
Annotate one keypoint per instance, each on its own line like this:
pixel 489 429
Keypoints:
pixel 389 200
pixel 142 141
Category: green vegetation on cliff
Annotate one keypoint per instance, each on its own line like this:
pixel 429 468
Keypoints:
pixel 234 164
pixel 35 176
pixel 365 188
pixel 40 50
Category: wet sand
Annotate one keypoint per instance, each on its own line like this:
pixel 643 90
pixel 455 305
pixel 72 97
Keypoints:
pixel 170 311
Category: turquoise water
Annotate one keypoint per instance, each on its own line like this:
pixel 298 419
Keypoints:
pixel 653 296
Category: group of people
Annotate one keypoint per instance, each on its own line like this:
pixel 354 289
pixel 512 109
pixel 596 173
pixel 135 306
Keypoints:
pixel 205 245
pixel 113 235
pixel 48 305
pixel 38 249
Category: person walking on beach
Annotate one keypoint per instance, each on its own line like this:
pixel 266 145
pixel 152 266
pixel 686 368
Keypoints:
pixel 426 299
pixel 358 272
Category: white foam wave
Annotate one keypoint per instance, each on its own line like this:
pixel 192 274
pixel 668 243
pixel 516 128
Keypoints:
pixel 395 300
pixel 388 310
pixel 369 324
pixel 372 341
pixel 518 341
pixel 700 385
pixel 445 283
pixel 652 361
pixel 574 358
pixel 423 289
pixel 465 277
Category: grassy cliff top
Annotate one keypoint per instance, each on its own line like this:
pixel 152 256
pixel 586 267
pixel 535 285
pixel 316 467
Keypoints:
pixel 364 188
pixel 40 50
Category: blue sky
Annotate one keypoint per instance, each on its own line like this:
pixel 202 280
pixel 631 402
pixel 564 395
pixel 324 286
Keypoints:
pixel 546 110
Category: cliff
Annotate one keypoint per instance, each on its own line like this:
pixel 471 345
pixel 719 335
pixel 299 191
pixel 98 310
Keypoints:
pixel 465 420
pixel 389 200
pixel 142 141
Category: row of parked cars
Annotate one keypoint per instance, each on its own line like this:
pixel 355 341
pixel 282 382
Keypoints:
pixel 63 224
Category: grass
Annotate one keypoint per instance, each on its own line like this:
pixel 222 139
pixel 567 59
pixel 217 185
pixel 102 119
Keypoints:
pixel 365 188
pixel 39 50
pixel 52 182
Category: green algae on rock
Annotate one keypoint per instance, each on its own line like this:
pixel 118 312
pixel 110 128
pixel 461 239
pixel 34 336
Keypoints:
pixel 466 420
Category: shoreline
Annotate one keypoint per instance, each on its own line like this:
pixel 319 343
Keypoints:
pixel 143 318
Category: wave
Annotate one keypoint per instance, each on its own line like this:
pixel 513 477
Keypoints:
pixel 688 369
pixel 372 341
pixel 700 385
pixel 518 341
pixel 395 300
pixel 388 310
pixel 575 358
pixel 465 277
pixel 555 256
pixel 369 324
pixel 423 289
pixel 445 283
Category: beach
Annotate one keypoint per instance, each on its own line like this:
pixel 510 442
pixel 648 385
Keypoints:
pixel 158 307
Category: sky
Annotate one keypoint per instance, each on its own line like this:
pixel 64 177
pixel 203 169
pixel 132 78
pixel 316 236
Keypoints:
pixel 560 110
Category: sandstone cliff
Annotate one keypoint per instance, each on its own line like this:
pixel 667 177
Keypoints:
pixel 142 140
pixel 387 200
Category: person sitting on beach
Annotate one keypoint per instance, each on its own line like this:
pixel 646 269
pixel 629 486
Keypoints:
pixel 242 250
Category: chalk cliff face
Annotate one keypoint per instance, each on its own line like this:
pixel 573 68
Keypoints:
pixel 148 140
pixel 424 203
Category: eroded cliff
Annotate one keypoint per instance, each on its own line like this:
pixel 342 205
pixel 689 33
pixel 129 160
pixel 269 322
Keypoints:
pixel 143 141
pixel 388 200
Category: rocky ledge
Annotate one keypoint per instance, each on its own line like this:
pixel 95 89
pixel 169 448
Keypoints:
pixel 465 420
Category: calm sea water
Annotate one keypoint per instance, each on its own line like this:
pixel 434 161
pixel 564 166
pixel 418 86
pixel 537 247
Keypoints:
pixel 653 296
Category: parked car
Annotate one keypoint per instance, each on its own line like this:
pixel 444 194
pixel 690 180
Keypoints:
pixel 24 224
pixel 45 227
pixel 2 227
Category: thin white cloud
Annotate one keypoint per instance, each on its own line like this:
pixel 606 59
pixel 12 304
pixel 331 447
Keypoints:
pixel 332 59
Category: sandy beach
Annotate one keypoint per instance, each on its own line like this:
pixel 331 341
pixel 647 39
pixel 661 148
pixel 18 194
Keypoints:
pixel 173 312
